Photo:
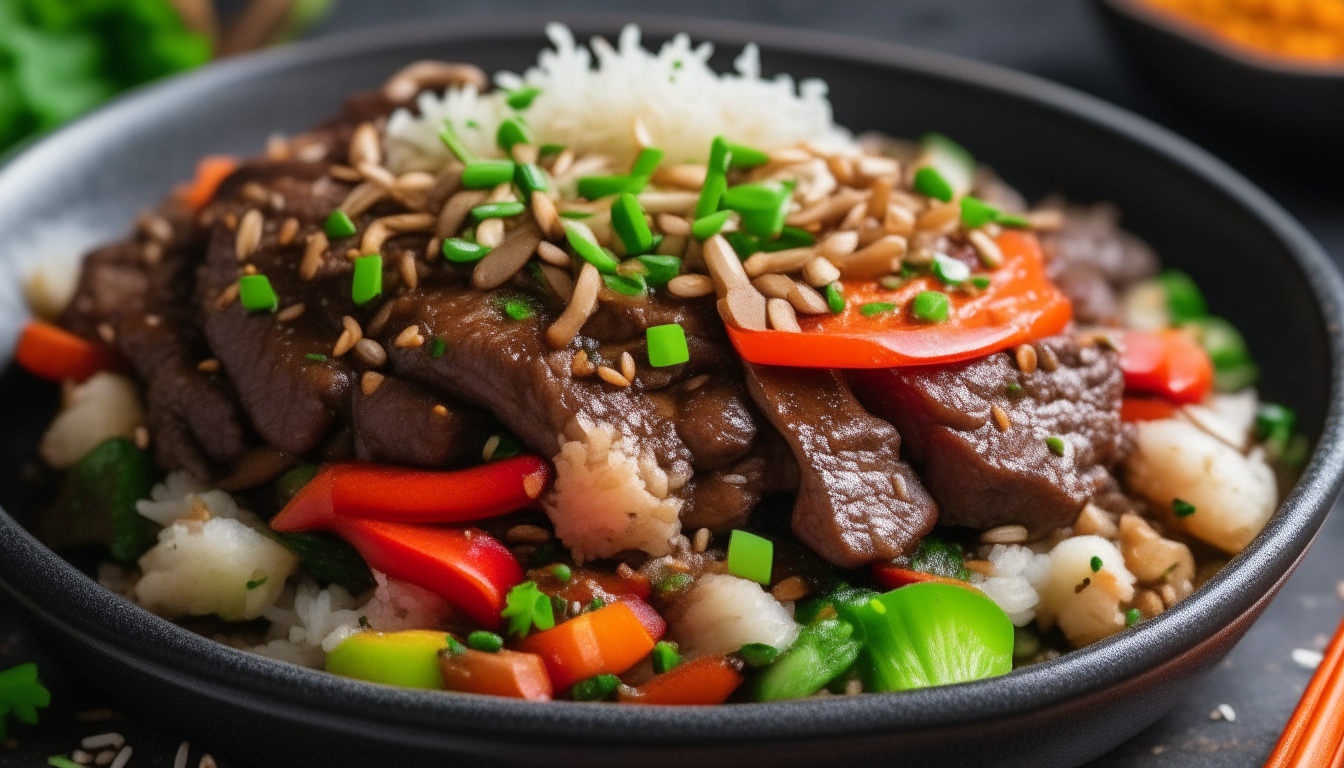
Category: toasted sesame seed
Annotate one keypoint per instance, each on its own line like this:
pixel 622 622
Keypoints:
pixel 1005 534
pixel 231 221
pixel 292 312
pixel 353 253
pixel 792 588
pixel 441 410
pixel 527 534
pixel 533 485
pixel 989 251
pixel 349 337
pixel 370 381
pixel 690 286
pixel 409 337
pixel 612 377
pixel 314 252
pixel 141 437
pixel 370 353
pixel 227 296
pixel 106 333
pixel 982 567
pixel 1026 357
pixel 553 254
pixel 491 445
pixel 581 366
pixel 701 541
pixel 628 366
pixel 249 269
pixel 288 231
pixel 1047 359
pixel 548 219
pixel 248 237
pixel 407 268
pixel 1000 418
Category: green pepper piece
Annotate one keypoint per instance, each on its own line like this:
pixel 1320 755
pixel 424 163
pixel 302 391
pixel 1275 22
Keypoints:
pixel 97 502
pixel 329 559
pixel 1184 299
pixel 822 651
pixel 408 659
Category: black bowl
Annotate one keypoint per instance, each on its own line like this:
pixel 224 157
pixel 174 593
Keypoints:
pixel 1258 266
pixel 1271 94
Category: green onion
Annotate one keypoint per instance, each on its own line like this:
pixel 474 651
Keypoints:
pixel 368 281
pixel 455 646
pixel 709 226
pixel 1011 220
pixel 437 346
pixel 530 178
pixel 835 299
pixel 744 244
pixel 980 281
pixel 891 282
pixel 789 237
pixel 463 251
pixel 715 184
pixel 647 162
pixel 742 156
pixel 512 131
pixel 254 583
pixel 595 688
pixel 665 656
pixel 931 306
pixel 61 761
pixel 562 572
pixel 824 649
pixel 876 308
pixel 596 604
pixel 1095 563
pixel 976 212
pixel 583 242
pixel 766 223
pixel 929 182
pixel 481 640
pixel 560 607
pixel 950 270
pixel 551 149
pixel 758 654
pixel 507 448
pixel 763 196
pixel 1182 508
pixel 484 174
pixel 1274 422
pixel 496 211
pixel 627 218
pixel 667 345
pixel 315 357
pixel 594 187
pixel 626 285
pixel 952 161
pixel 750 556
pixel 1133 616
pixel 1056 445
pixel 256 293
pixel 518 309
pixel 454 143
pixel 338 224
pixel 659 270
pixel 576 215
pixel 1185 302
pixel 673 582
pixel 521 98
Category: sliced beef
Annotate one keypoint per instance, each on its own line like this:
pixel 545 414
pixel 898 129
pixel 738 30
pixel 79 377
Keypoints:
pixel 984 475
pixel 398 424
pixel 858 501
pixel 1091 259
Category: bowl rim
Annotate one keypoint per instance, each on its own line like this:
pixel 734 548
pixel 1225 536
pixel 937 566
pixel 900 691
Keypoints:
pixel 97 618
pixel 1196 35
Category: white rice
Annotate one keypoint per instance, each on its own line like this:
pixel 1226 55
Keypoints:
pixel 1014 582
pixel 591 96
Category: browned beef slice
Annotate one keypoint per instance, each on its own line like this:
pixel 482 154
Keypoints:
pixel 983 476
pixel 1091 258
pixel 858 501
pixel 397 424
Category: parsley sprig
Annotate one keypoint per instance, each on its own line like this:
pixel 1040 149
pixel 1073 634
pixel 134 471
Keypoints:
pixel 21 695
pixel 525 607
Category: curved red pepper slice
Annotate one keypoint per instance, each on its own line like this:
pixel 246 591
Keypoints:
pixel 891 577
pixel 1167 363
pixel 1020 304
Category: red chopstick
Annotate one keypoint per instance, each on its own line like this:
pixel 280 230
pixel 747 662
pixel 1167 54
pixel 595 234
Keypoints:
pixel 1314 736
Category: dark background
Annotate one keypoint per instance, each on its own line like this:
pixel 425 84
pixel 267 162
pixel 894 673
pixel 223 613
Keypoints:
pixel 1061 40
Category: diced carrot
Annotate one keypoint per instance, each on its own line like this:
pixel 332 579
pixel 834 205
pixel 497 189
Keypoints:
pixel 891 577
pixel 654 623
pixel 211 171
pixel 1135 409
pixel 702 681
pixel 503 673
pixel 56 354
pixel 609 640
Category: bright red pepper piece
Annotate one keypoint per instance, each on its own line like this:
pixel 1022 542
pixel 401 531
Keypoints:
pixel 1136 409
pixel 703 681
pixel 891 577
pixel 1167 363
pixel 57 354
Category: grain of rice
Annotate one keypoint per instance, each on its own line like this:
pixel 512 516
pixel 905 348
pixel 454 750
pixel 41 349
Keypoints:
pixel 455 212
pixel 123 757
pixel 982 567
pixel 81 757
pixel 672 225
pixel 547 218
pixel 209 365
pixel 207 762
pixel 939 218
pixel 1047 359
pixel 782 317
pixel 427 74
pixel 682 175
pixel 1000 418
pixel 1025 355
pixel 1004 534
pixel 559 280
pixel 105 757
pixel 490 233
pixel 406 266
pixel 880 258
pixel 580 366
pixel 612 377
pixel 790 589
pixel 288 231
pixel 507 257
pixel 554 255
pixel 779 262
pixel 227 296
pixel 370 381
pixel 701 541
pixel 344 173
pixel 527 534
pixel 819 272
pixel 314 252
pixel 690 286
pixel 577 312
pixel 990 254
pixel 248 237
pixel 183 751
pixel 628 366
pixel 369 353
pixel 829 210
pixel 409 338
pixel 103 740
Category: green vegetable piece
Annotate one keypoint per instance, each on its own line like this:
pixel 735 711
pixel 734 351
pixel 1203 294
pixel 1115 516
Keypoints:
pixel 518 309
pixel 976 212
pixel 455 144
pixel 940 557
pixel 835 298
pixel 665 656
pixel 256 294
pixel 769 222
pixel 484 174
pixel 789 237
pixel 980 281
pixel 1182 508
pixel 1297 453
pixel 598 688
pixel 293 481
pixel 709 226
pixel 667 345
pixel 673 582
pixel 1224 343
pixel 594 187
pixel 1095 563
pixel 626 285
pixel 758 655
pixel 61 761
pixel 720 156
pixel 951 271
pixel 585 245
pixel 742 156
pixel 750 556
pixel 710 194
pixel 659 270
pixel 455 646
pixel 1236 379
pixel 1056 445
pixel 744 243
pixel 596 603
pixel 460 251
pixel 575 215
pixel 1185 302
pixel 21 694
pixel 1133 616
pixel 530 178
pixel 315 357
pixel 762 196
pixel 497 210
pixel 929 182
pixel 254 583
pixel 1011 220
pixel 96 504
pixel 545 554
pixel 876 308
pixel 562 572
pixel 512 130
pixel 368 280
pixel 627 218
pixel 338 224
pixel 647 162
pixel 437 346
pixel 950 159
pixel 408 659
pixel 521 98
pixel 1274 422
pixel 526 607
pixel 1014 391
pixel 507 447
pixel 329 559
pixel 823 650
pixel 931 306
pixel 481 640
pixel 930 634
pixel 551 149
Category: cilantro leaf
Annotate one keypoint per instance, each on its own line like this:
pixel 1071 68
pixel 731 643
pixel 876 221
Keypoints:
pixel 21 694
pixel 526 606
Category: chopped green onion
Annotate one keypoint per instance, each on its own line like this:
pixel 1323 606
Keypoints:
pixel 61 761
pixel 1182 508
pixel 497 211
pixel 835 299
pixel 594 187
pixel 1274 422
pixel 667 345
pixel 596 604
pixel 626 285
pixel 518 309
pixel 595 688
pixel 931 306
pixel 576 215
pixel 1095 563
pixel 980 281
pixel 891 282
pixel 742 156
pixel 1011 220
pixel 762 196
pixel 1056 445
pixel 254 583
pixel 789 237
pixel 673 582
pixel 758 655
pixel 437 346
pixel 665 656
pixel 876 308
pixel 750 556
pixel 766 223
pixel 507 448
pixel 484 174
pixel 583 242
pixel 530 178
pixel 551 149
pixel 950 270
pixel 744 243
pixel 256 293
pixel 954 163
pixel 562 572
pixel 315 357
pixel 521 98
pixel 647 162
pixel 976 212
pixel 338 224
pixel 627 218
pixel 1133 616
pixel 709 226
pixel 368 280
pixel 929 182
pixel 481 640
pixel 454 143
pixel 659 270
pixel 710 194
pixel 720 156
pixel 1185 302
pixel 512 131
pixel 455 646
pixel 463 251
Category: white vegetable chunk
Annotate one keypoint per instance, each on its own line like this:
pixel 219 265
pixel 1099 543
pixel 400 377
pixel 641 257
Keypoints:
pixel 1086 604
pixel 1226 417
pixel 50 286
pixel 1012 583
pixel 105 406
pixel 722 613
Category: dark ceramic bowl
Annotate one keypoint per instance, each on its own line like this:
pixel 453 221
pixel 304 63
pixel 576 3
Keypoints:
pixel 1258 266
pixel 1272 94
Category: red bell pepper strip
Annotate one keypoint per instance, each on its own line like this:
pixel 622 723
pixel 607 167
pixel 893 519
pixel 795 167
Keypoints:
pixel 211 171
pixel 891 577
pixel 57 354
pixel 1020 304
pixel 502 673
pixel 1167 363
pixel 609 640
pixel 1136 409
pixel 400 494
pixel 703 681
pixel 653 622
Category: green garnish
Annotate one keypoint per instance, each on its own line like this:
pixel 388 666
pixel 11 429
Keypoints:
pixel 835 299
pixel 1182 508
pixel 1095 563
pixel 951 271
pixel 507 448
pixel 594 187
pixel 330 559
pixel 980 281
pixel 455 646
pixel 437 346
pixel 596 604
pixel 581 240
pixel 626 285
pixel 876 308
pixel 659 270
pixel 518 309
pixel 562 572
pixel 769 222
pixel 595 688
pixel 1274 422
pixel 289 484
pixel 940 557
pixel 462 251
pixel 481 640
pixel 576 215
pixel 715 184
pixel 61 761
pixel 976 213
pixel 761 196
pixel 789 237
pixel 667 345
pixel 484 174
pixel 1185 302
pixel 315 357
pixel 455 144
pixel 254 583
pixel 530 178
pixel 929 182
pixel 665 656
pixel 497 210
pixel 627 218
pixel 672 582
pixel 21 694
pixel 521 98
pixel 891 282
pixel 96 503
pixel 824 649
pixel 1056 445
pixel 551 149
pixel 709 226
pixel 742 156
pixel 758 654
pixel 512 130
pixel 931 306
pixel 338 224
pixel 750 556
pixel 647 162
pixel 368 280
pixel 526 607
pixel 1133 616
pixel 256 294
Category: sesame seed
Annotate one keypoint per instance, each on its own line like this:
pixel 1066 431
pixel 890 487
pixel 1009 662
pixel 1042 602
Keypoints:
pixel 209 365
pixel 440 410
pixel 409 337
pixel 1026 357
pixel 1001 418
pixel 787 590
pixel 227 296
pixel 491 445
pixel 580 366
pixel 527 534
pixel 288 231
pixel 292 312
pixel 533 486
pixel 628 366
pixel 610 376
pixel 370 381
pixel 1005 534
pixel 106 333
pixel 701 541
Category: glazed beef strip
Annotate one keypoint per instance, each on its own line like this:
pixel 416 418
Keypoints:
pixel 1092 259
pixel 858 501
pixel 984 473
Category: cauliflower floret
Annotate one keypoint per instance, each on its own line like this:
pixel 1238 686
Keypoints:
pixel 104 407
pixel 1233 495
pixel 722 613
pixel 1085 602
pixel 609 497
pixel 1226 417
pixel 181 495
pixel 1013 582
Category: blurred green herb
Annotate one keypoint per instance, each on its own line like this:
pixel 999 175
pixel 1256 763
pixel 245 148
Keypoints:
pixel 21 694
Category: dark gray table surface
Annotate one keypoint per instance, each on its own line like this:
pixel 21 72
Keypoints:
pixel 1056 39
